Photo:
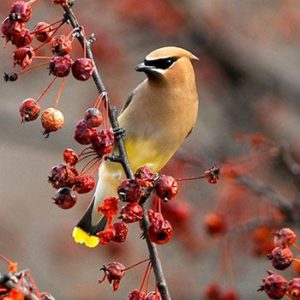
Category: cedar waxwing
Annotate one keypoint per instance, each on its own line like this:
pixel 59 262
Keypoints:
pixel 157 117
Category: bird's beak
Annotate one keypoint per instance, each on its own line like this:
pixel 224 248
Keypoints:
pixel 143 68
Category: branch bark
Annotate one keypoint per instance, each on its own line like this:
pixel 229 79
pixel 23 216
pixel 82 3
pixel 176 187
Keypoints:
pixel 120 142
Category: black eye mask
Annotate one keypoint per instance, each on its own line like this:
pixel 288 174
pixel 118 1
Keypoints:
pixel 162 63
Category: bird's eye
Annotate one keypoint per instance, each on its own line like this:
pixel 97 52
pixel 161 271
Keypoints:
pixel 162 63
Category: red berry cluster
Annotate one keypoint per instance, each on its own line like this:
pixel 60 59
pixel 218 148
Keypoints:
pixel 134 192
pixel 275 285
pixel 65 176
pixel 59 61
pixel 115 271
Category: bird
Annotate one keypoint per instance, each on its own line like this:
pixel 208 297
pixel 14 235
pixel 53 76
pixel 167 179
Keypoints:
pixel 157 117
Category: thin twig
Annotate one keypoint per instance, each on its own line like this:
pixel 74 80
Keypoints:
pixel 10 282
pixel 119 135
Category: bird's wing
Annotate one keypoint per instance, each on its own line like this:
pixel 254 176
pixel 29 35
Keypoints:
pixel 127 102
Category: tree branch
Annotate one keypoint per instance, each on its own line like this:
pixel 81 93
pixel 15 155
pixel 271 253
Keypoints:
pixel 287 208
pixel 155 260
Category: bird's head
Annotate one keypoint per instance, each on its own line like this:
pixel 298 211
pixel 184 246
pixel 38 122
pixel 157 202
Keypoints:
pixel 168 64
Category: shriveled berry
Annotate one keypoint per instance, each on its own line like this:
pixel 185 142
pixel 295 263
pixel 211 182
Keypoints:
pixel 132 212
pixel 21 38
pixel 105 236
pixel 60 66
pixel 9 27
pixel 84 133
pixel 43 32
pixel 93 117
pixel 20 11
pixel 114 272
pixel 65 198
pixel 215 224
pixel 71 157
pixel 29 110
pixel 153 296
pixel 61 45
pixel 212 175
pixel 275 286
pixel 84 184
pixel 285 237
pixel 52 120
pixel 109 208
pixel 62 176
pixel 103 141
pixel 145 177
pixel 160 230
pixel 136 295
pixel 130 191
pixel 166 187
pixel 83 68
pixel 281 258
pixel 294 289
pixel 23 56
pixel 121 229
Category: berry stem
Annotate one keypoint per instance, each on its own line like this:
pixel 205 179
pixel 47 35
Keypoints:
pixel 139 263
pixel 296 247
pixel 191 178
pixel 59 21
pixel 46 90
pixel 92 163
pixel 62 85
pixel 32 68
pixel 30 2
pixel 5 259
pixel 98 101
pixel 145 275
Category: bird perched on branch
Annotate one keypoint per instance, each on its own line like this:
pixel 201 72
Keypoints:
pixel 157 117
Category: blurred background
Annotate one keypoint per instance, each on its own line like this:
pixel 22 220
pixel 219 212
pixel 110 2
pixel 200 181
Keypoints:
pixel 248 82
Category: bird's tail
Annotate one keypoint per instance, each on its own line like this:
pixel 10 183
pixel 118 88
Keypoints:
pixel 85 232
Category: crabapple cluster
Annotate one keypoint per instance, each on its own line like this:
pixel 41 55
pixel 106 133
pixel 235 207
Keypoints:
pixel 28 44
pixel 133 192
pixel 66 177
pixel 275 285
pixel 115 271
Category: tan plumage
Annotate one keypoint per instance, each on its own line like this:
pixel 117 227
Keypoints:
pixel 161 113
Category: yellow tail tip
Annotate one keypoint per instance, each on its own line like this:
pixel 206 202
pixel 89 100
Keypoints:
pixel 82 237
